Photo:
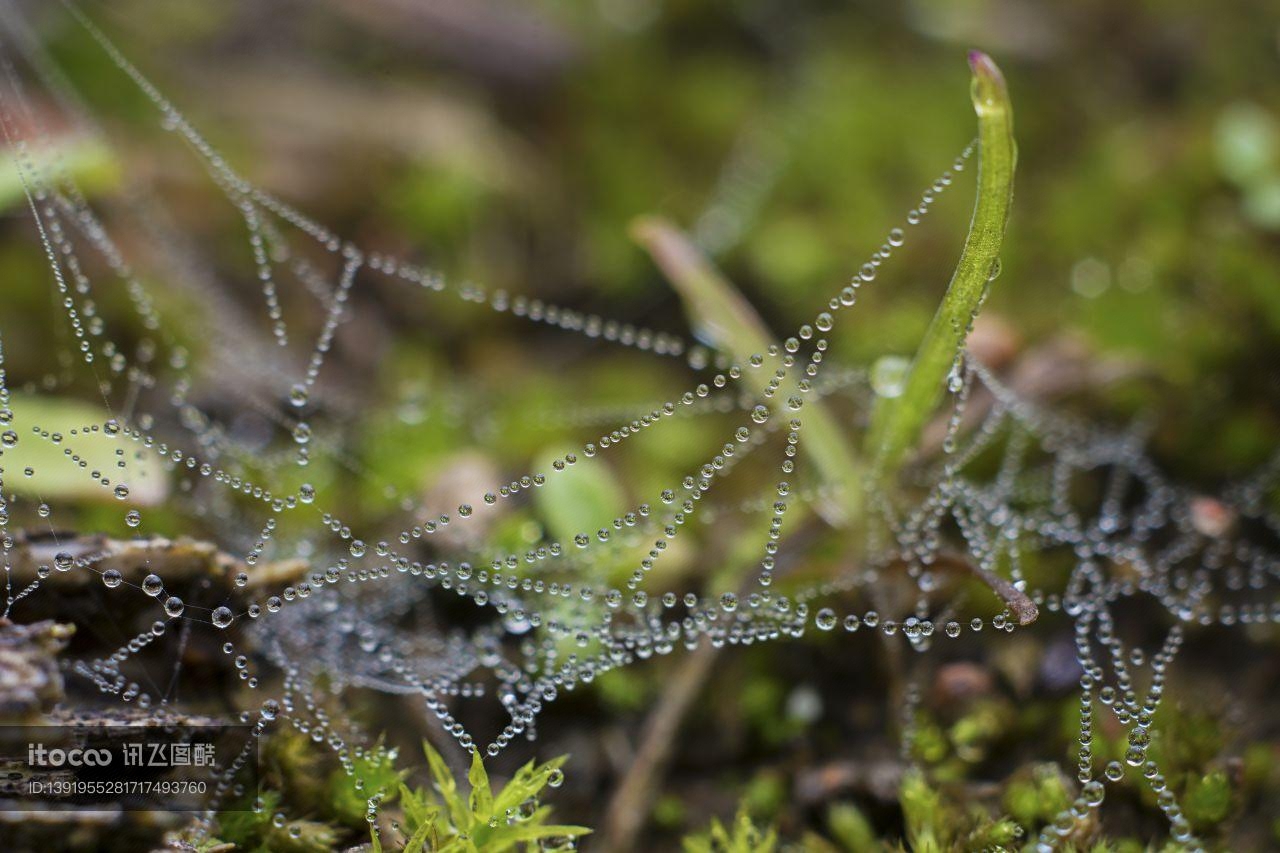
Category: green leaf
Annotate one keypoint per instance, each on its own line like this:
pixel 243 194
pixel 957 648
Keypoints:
pixel 527 782
pixel 898 421
pixel 87 160
pixel 481 796
pixel 56 476
pixel 418 840
pixel 719 835
pixel 459 813
pixel 579 498
pixel 524 832
pixel 419 813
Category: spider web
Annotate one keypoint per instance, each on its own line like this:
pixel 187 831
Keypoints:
pixel 1039 510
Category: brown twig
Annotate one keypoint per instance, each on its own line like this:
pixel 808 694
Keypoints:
pixel 633 798
pixel 629 806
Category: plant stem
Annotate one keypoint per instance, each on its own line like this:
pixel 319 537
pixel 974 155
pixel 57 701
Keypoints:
pixel 897 422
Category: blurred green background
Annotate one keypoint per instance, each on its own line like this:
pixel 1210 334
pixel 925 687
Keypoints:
pixel 512 144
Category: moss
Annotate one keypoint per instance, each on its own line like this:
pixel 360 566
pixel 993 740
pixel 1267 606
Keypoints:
pixel 669 811
pixel 994 835
pixel 929 743
pixel 1034 797
pixel 987 722
pixel 1259 766
pixel 850 827
pixel 927 819
pixel 741 836
pixel 266 830
pixel 766 794
pixel 498 820
pixel 1187 740
pixel 373 774
pixel 1207 800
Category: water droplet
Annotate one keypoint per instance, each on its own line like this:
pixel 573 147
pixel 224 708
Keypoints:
pixel 889 376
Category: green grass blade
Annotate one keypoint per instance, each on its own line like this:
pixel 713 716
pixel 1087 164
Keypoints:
pixel 897 422
pixel 722 316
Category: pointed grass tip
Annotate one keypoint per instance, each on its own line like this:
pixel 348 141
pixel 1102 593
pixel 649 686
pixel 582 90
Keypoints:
pixel 989 89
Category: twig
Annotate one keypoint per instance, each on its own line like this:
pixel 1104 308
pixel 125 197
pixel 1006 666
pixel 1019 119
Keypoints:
pixel 630 804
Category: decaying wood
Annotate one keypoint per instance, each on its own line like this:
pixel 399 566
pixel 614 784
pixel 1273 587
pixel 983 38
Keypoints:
pixel 175 560
pixel 30 681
